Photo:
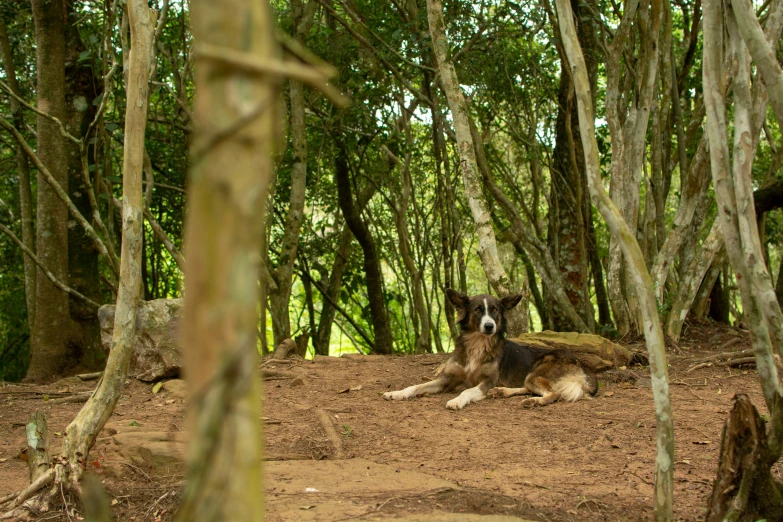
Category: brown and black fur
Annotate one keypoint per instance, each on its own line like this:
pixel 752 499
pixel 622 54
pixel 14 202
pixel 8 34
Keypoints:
pixel 490 364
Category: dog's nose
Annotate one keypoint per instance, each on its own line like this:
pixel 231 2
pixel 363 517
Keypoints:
pixel 489 328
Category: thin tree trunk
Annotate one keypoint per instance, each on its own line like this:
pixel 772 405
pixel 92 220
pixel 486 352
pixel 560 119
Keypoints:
pixel 695 189
pixel 643 287
pixel 23 173
pixel 733 188
pixel 689 286
pixel 228 183
pixel 81 432
pixel 470 174
pixel 280 296
pixel 400 211
pixel 378 312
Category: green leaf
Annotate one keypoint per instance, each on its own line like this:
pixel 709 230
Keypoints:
pixel 84 56
pixel 133 423
pixel 157 387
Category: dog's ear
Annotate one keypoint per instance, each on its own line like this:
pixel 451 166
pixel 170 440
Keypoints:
pixel 460 302
pixel 510 301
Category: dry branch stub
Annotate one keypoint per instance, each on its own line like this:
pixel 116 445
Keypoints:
pixel 744 489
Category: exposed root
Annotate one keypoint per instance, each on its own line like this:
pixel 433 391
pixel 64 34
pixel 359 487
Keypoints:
pixel 323 417
pixel 41 482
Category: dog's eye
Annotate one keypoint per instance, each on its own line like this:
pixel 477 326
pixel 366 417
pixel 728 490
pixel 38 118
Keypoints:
pixel 478 310
pixel 494 310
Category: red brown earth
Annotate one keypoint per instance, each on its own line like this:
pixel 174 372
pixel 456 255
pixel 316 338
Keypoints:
pixel 590 460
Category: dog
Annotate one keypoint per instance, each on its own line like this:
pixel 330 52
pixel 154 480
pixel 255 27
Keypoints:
pixel 485 361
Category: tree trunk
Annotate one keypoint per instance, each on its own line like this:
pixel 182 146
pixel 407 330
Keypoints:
pixel 626 238
pixel 689 286
pixel 83 272
pixel 23 173
pixel 488 253
pixel 280 296
pixel 228 183
pixel 719 302
pixel 378 313
pixel 322 339
pixel 569 198
pixel 400 211
pixel 48 340
pixel 732 178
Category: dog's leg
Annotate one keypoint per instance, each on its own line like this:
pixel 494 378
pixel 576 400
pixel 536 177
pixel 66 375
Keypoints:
pixel 475 394
pixel 540 386
pixel 507 392
pixel 428 388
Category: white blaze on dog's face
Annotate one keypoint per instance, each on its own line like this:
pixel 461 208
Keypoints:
pixel 487 325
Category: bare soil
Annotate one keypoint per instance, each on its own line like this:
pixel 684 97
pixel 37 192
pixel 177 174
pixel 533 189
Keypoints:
pixel 590 460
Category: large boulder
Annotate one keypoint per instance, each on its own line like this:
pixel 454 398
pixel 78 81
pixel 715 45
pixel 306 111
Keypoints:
pixel 594 351
pixel 156 346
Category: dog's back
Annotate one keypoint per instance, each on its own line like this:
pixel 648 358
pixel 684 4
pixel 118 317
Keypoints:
pixel 521 364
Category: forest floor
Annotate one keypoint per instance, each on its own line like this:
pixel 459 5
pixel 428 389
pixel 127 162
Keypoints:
pixel 335 450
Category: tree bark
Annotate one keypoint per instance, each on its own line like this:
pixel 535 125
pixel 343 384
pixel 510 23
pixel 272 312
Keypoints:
pixel 569 198
pixel 689 286
pixel 488 253
pixel 733 188
pixel 280 295
pixel 83 272
pixel 352 215
pixel 228 182
pixel 48 339
pixel 643 287
pixel 23 173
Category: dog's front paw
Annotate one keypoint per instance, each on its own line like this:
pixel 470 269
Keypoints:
pixel 531 403
pixel 398 395
pixel 457 403
pixel 496 393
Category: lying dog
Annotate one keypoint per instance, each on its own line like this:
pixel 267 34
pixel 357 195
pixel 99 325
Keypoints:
pixel 485 360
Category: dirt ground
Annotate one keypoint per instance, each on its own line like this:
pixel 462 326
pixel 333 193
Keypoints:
pixel 590 460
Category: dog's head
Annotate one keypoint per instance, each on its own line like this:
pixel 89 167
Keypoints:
pixel 482 313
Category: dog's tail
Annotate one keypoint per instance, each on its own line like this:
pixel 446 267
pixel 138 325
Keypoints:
pixel 573 387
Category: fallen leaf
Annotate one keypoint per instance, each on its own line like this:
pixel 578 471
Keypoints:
pixel 356 388
pixel 3 459
pixel 311 490
pixel 133 423
pixel 114 502
pixel 306 507
pixel 157 387
pixel 623 368
pixel 343 391
pixel 702 442
pixel 608 394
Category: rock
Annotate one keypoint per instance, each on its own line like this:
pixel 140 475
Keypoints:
pixel 594 351
pixel 161 452
pixel 156 346
pixel 177 388
pixel 298 381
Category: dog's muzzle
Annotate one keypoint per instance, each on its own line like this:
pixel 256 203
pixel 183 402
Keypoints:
pixel 488 327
